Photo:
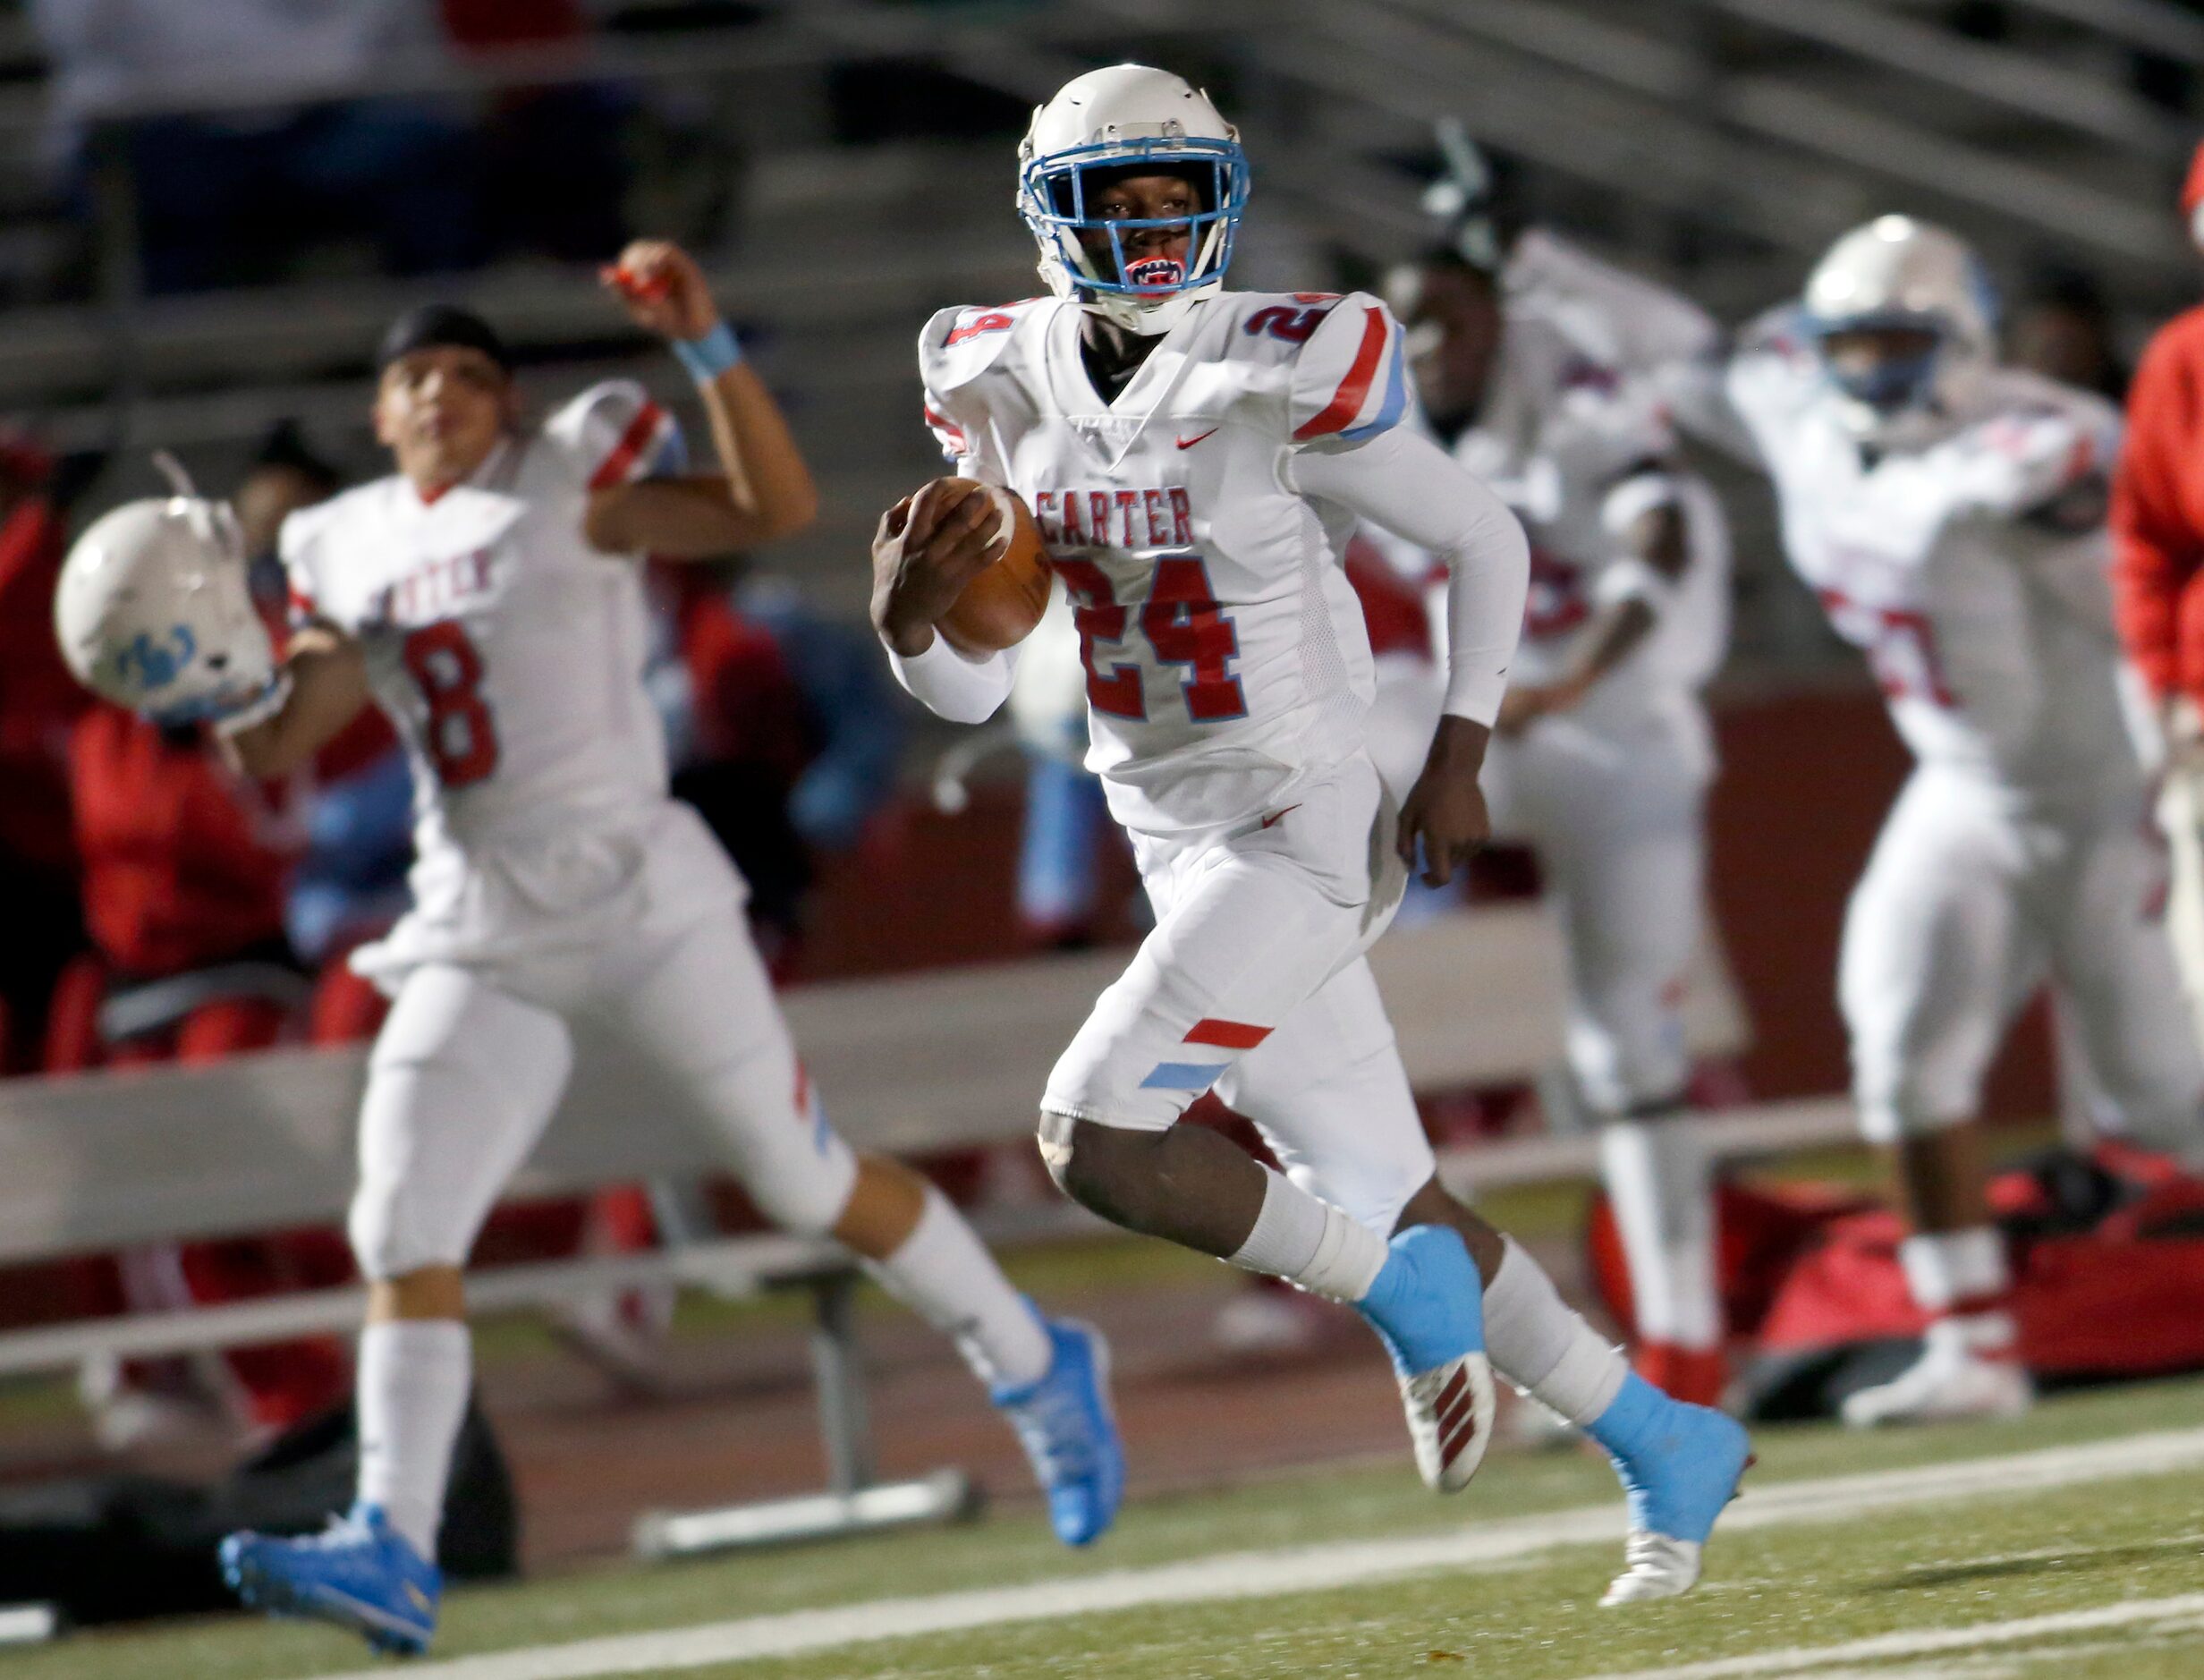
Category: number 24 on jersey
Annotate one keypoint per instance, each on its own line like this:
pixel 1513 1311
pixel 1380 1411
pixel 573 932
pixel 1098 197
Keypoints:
pixel 1182 625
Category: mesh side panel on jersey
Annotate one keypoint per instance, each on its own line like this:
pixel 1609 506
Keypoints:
pixel 1324 667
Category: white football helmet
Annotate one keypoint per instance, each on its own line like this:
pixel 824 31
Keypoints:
pixel 1898 273
pixel 1108 120
pixel 153 613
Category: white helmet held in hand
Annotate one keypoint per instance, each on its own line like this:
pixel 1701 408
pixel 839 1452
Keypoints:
pixel 153 613
pixel 1106 124
pixel 1897 279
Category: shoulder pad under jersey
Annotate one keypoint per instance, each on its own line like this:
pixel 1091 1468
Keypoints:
pixel 307 536
pixel 1347 373
pixel 956 347
pixel 1772 370
pixel 613 433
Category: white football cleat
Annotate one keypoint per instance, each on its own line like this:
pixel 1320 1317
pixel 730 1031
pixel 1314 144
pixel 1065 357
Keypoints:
pixel 1653 1566
pixel 1450 1413
pixel 1680 1465
pixel 1949 1383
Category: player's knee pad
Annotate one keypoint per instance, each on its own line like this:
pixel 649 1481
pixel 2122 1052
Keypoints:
pixel 1915 1073
pixel 796 1166
pixel 1625 1051
pixel 1125 1067
pixel 459 1084
pixel 405 1216
pixel 803 1193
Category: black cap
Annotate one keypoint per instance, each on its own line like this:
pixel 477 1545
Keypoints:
pixel 286 446
pixel 435 324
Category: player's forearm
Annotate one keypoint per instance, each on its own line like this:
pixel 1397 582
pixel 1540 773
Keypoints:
pixel 327 685
pixel 1413 489
pixel 949 685
pixel 692 517
pixel 1485 588
pixel 1615 633
pixel 768 482
pixel 1639 589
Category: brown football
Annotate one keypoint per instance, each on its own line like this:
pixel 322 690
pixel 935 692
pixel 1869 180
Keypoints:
pixel 1000 607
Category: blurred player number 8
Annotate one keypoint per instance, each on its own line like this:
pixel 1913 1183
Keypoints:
pixel 461 736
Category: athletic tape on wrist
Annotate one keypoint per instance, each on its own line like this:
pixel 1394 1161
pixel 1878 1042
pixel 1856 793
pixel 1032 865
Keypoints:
pixel 709 357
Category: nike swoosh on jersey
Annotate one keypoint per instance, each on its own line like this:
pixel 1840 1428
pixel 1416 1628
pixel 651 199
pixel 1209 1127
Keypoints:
pixel 1276 816
pixel 1188 443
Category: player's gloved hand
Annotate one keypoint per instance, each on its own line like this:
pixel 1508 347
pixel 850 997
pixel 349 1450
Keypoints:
pixel 1446 807
pixel 922 558
pixel 663 289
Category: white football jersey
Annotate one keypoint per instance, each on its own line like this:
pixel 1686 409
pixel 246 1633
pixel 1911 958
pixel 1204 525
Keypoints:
pixel 1224 652
pixel 1570 438
pixel 1972 573
pixel 508 653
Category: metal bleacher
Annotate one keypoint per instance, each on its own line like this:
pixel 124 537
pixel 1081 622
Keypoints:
pixel 1718 142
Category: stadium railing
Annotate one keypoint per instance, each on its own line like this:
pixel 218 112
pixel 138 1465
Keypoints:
pixel 952 1059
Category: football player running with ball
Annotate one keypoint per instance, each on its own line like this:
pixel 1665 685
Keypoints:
pixel 488 596
pixel 1950 514
pixel 1196 459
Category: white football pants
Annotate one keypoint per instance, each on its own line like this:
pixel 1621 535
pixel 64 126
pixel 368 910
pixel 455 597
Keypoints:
pixel 1968 904
pixel 1254 981
pixel 472 1060
pixel 1617 822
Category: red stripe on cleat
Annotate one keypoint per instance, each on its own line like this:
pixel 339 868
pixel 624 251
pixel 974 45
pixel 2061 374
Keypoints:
pixel 1453 1388
pixel 1451 1448
pixel 1449 1416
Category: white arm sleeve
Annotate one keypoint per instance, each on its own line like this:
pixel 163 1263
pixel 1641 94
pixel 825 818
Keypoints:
pixel 1410 486
pixel 949 685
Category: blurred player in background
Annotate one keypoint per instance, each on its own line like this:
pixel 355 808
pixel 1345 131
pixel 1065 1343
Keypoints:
pixel 1603 752
pixel 1196 459
pixel 1950 514
pixel 488 596
pixel 2158 524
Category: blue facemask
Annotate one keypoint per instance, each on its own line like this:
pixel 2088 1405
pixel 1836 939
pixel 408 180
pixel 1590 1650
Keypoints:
pixel 1054 198
pixel 1892 383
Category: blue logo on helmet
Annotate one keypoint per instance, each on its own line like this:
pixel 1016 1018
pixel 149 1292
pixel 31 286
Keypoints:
pixel 150 664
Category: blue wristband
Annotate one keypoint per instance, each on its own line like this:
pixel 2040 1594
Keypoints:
pixel 709 357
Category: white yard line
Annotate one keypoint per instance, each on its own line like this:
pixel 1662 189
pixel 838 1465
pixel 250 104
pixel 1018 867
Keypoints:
pixel 1482 1545
pixel 1926 1642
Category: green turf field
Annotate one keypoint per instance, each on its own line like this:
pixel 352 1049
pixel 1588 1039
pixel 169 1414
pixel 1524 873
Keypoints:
pixel 2092 1567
